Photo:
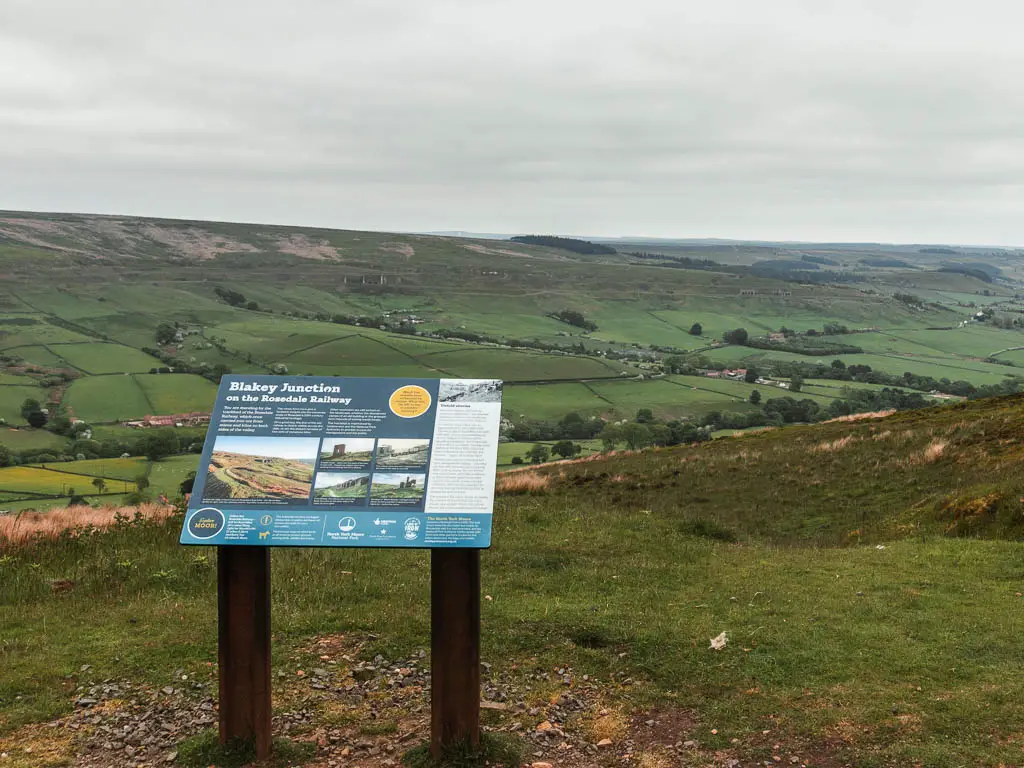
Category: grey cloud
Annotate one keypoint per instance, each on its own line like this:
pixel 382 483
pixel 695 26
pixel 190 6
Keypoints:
pixel 796 119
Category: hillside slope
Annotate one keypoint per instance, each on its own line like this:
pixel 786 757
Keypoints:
pixel 956 470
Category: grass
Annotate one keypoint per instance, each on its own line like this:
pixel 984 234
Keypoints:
pixel 97 358
pixel 11 398
pixel 37 355
pixel 117 469
pixel 27 439
pixel 493 750
pixel 626 566
pixel 60 478
pixel 205 750
pixel 177 393
pixel 107 399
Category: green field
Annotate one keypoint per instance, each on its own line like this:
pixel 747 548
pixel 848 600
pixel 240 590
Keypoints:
pixel 28 439
pixel 117 469
pixel 105 358
pixel 11 398
pixel 550 401
pixel 177 393
pixel 166 476
pixel 37 355
pixel 107 399
pixel 58 480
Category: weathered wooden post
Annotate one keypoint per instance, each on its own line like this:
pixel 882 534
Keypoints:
pixel 243 611
pixel 454 648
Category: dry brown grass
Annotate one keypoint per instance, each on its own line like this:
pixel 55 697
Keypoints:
pixel 521 482
pixel 833 445
pixel 26 526
pixel 654 760
pixel 608 725
pixel 932 453
pixel 862 416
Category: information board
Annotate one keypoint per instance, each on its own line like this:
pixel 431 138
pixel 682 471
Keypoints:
pixel 309 461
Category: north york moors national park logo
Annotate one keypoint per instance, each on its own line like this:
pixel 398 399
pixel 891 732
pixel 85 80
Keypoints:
pixel 206 523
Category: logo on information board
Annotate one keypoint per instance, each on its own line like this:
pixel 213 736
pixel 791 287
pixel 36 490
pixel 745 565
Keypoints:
pixel 346 524
pixel 412 528
pixel 206 523
pixel 409 401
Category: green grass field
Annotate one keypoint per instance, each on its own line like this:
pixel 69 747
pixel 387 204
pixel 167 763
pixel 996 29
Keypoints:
pixel 62 482
pixel 177 393
pixel 106 358
pixel 113 469
pixel 107 399
pixel 166 475
pixel 28 439
pixel 11 398
pixel 38 355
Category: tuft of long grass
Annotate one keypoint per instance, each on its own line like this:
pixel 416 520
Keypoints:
pixel 522 482
pixel 26 527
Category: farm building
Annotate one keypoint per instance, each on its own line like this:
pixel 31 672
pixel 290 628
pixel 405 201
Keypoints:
pixel 193 419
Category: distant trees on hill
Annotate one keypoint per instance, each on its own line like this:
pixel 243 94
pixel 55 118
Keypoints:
pixel 235 299
pixel 572 317
pixel 566 244
pixel 737 336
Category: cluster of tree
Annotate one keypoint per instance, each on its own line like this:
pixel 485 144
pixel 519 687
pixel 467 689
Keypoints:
pixel 819 260
pixel 806 345
pixel 646 430
pixel 777 411
pixel 572 426
pixel 167 333
pixel 211 371
pixel 789 270
pixel 909 299
pixel 34 414
pixel 154 444
pixel 235 299
pixel 793 271
pixel 940 251
pixel 885 261
pixel 679 262
pixel 573 244
pixel 978 274
pixel 574 318
pixel 737 336
pixel 538 454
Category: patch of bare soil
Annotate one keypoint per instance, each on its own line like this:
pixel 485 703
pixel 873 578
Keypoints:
pixel 103 236
pixel 495 251
pixel 368 713
pixel 306 248
pixel 192 242
pixel 402 248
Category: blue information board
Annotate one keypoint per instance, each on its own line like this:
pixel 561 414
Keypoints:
pixel 309 461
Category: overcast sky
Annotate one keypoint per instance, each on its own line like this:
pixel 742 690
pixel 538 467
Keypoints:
pixel 898 120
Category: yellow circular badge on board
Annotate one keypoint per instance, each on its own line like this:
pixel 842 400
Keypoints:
pixel 409 402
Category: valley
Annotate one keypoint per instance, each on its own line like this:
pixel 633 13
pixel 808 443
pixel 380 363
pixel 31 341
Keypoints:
pixel 119 328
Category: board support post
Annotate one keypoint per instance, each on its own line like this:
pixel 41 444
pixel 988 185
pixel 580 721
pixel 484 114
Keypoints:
pixel 243 614
pixel 454 648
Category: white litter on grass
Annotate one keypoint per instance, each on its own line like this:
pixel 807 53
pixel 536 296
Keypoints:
pixel 718 643
pixel 880 546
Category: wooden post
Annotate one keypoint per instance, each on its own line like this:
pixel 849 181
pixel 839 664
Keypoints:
pixel 243 614
pixel 454 647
